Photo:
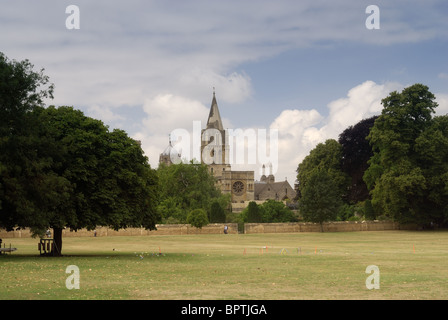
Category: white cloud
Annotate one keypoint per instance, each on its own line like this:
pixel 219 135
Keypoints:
pixel 232 88
pixel 165 113
pixel 442 100
pixel 301 130
pixel 104 113
pixel 294 127
pixel 362 101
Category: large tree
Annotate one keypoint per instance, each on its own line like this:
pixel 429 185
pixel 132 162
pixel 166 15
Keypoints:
pixel 355 154
pixel 325 156
pixel 407 173
pixel 432 149
pixel 21 91
pixel 86 176
pixel 60 169
pixel 320 200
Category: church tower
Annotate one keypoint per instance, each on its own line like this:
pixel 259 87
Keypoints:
pixel 170 155
pixel 215 150
pixel 214 143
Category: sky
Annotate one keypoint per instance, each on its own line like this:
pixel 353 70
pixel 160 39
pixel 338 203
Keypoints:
pixel 305 69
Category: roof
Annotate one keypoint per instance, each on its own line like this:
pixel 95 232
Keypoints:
pixel 271 190
pixel 214 118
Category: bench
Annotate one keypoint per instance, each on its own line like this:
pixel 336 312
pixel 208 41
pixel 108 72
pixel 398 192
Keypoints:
pixel 45 246
pixel 4 249
pixel 7 249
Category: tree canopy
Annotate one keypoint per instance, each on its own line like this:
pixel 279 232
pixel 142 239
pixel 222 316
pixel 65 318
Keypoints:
pixel 325 156
pixel 185 187
pixel 270 211
pixel 355 154
pixel 320 199
pixel 408 172
pixel 61 169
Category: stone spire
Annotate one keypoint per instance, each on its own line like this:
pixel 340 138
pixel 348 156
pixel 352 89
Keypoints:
pixel 214 118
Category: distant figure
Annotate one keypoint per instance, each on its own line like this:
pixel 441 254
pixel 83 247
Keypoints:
pixel 94 233
pixel 48 233
pixel 225 229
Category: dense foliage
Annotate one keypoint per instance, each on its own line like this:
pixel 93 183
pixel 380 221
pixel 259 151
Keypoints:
pixel 397 163
pixel 321 199
pixel 408 173
pixel 185 187
pixel 356 151
pixel 61 169
pixel 270 211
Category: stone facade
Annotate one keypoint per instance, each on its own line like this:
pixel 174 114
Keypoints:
pixel 215 153
pixel 240 184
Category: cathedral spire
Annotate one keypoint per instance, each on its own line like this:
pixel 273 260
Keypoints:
pixel 214 118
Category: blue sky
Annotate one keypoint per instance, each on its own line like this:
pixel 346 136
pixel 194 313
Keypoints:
pixel 306 68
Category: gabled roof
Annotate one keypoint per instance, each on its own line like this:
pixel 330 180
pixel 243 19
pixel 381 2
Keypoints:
pixel 269 189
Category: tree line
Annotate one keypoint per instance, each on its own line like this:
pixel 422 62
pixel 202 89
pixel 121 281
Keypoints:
pixel 392 166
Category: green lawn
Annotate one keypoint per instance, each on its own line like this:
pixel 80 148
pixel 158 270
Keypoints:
pixel 412 265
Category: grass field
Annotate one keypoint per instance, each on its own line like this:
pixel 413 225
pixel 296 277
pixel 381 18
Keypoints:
pixel 412 265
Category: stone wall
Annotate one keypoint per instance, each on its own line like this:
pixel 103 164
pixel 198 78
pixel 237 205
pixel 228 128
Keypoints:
pixel 162 229
pixel 218 228
pixel 340 226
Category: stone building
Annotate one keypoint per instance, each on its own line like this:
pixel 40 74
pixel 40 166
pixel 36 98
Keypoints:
pixel 267 188
pixel 215 153
pixel 240 184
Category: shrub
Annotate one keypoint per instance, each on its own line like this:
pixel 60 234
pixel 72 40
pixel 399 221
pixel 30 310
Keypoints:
pixel 197 218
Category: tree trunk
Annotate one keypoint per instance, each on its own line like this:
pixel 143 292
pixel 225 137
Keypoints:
pixel 321 227
pixel 57 245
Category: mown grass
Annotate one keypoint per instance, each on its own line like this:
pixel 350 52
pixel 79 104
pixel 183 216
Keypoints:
pixel 413 265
